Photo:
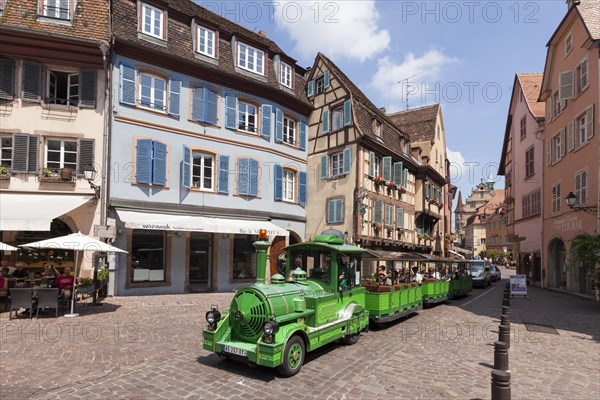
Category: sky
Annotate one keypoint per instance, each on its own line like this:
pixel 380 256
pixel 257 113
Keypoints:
pixel 462 54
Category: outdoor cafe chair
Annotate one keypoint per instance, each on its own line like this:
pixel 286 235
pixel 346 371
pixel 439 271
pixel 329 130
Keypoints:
pixel 21 297
pixel 47 298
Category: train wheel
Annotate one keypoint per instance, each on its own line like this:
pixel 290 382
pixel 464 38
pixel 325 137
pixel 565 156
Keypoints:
pixel 351 339
pixel 293 357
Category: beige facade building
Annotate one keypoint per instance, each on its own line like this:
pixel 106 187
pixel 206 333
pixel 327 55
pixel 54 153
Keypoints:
pixel 570 89
pixel 479 196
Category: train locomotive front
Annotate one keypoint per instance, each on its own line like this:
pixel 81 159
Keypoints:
pixel 276 324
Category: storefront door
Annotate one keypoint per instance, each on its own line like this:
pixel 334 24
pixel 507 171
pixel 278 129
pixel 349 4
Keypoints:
pixel 200 260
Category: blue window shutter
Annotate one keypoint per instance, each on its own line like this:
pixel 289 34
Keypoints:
pixel 211 106
pixel 278 169
pixel 372 164
pixel 324 167
pixel 398 173
pixel 198 103
pixel 347 162
pixel 253 177
pixel 278 125
pixel 387 168
pixel 186 160
pixel 311 88
pixel 243 176
pixel 339 209
pixel 302 188
pixel 159 164
pixel 378 212
pixel 302 135
pixel 223 174
pixel 400 217
pixel 265 125
pixel 348 112
pixel 326 80
pixel 405 177
pixel 230 111
pixel 325 121
pixel 127 84
pixel 143 161
pixel 174 95
pixel 330 211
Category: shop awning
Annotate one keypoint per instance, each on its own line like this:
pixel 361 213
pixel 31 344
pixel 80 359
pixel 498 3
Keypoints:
pixel 191 223
pixel 35 212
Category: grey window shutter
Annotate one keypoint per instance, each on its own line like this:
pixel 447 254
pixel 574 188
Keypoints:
pixel 330 211
pixel 20 153
pixel 372 164
pixel 565 91
pixel 302 190
pixel 127 84
pixel 387 168
pixel 398 173
pixel 339 210
pixel 223 174
pixel 347 161
pixel 405 177
pixel 87 88
pixel 589 120
pixel 32 82
pixel 326 78
pixel 400 218
pixel 378 212
pixel 325 121
pixel 278 170
pixel 174 90
pixel 348 112
pixel 303 128
pixel 32 162
pixel 324 167
pixel 230 111
pixel 86 154
pixel 310 91
pixel 571 136
pixel 7 79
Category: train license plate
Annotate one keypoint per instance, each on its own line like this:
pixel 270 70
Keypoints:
pixel 235 350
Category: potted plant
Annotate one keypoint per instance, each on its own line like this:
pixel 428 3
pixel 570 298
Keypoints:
pixel 85 286
pixel 47 171
pixel 378 180
pixel 4 173
pixel 66 174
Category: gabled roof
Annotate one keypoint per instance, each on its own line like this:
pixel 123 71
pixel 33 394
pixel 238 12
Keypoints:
pixel 419 123
pixel 364 112
pixel 495 201
pixel 590 13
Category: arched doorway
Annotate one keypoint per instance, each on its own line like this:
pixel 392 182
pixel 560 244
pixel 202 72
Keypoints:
pixel 556 264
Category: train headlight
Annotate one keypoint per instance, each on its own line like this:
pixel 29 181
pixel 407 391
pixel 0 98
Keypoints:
pixel 270 328
pixel 213 316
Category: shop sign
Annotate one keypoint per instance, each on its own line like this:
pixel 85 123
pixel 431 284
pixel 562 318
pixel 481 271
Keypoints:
pixel 566 224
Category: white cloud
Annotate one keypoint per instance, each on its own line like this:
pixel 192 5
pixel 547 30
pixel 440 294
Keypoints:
pixel 412 75
pixel 457 166
pixel 338 29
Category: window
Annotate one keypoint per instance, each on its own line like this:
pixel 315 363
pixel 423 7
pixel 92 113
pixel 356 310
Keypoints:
pixel 247 117
pixel 319 85
pixel 244 257
pixel 568 44
pixel 389 215
pixel 557 105
pixel 151 162
pixel 61 154
pixel 556 200
pixel 59 9
pixel 378 128
pixel 203 171
pixel 152 21
pixel 62 88
pixel 289 185
pixel 250 58
pixel 205 105
pixel 335 211
pixel 289 131
pixel 337 119
pixel 337 162
pixel 206 41
pixel 6 151
pixel 531 204
pixel 581 187
pixel 582 76
pixel 152 92
pixel 523 127
pixel 584 127
pixel 148 259
pixel 285 75
pixel 556 147
pixel 482 241
pixel 529 163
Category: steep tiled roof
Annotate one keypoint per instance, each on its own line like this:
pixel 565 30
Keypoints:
pixel 459 205
pixel 590 13
pixel 365 111
pixel 179 45
pixel 419 123
pixel 492 203
pixel 531 85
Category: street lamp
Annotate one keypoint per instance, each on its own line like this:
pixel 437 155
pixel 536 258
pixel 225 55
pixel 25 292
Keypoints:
pixel 90 174
pixel 571 200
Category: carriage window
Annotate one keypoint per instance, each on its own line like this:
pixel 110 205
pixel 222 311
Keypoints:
pixel 316 264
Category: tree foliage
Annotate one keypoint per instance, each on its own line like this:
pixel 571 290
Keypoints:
pixel 585 249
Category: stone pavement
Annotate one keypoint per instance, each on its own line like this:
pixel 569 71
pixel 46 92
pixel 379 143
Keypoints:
pixel 150 348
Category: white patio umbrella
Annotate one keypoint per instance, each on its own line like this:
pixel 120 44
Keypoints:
pixel 7 247
pixel 76 242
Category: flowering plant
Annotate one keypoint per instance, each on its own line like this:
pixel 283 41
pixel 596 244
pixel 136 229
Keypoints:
pixel 441 205
pixel 401 188
pixel 379 180
pixel 433 200
pixel 391 184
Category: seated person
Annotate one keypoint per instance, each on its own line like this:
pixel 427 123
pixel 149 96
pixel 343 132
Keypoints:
pixel 417 277
pixel 384 278
pixel 49 271
pixel 343 282
pixel 19 272
pixel 65 283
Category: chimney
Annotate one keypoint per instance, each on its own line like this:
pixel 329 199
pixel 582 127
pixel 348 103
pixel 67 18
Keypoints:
pixel 262 33
pixel 382 109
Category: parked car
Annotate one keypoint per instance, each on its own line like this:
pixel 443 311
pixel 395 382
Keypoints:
pixel 495 273
pixel 480 272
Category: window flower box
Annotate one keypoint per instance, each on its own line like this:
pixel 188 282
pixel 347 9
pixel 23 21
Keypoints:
pixel 378 180
pixel 391 185
pixel 4 174
pixel 401 189
pixel 64 175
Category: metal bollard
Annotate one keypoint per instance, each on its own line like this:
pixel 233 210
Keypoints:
pixel 506 311
pixel 505 320
pixel 500 385
pixel 504 335
pixel 500 356
pixel 506 302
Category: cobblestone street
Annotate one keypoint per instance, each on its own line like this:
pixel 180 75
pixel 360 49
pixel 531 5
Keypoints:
pixel 150 347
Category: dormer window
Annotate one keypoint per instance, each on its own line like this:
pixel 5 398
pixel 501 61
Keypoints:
pixel 377 128
pixel 206 41
pixel 59 9
pixel 285 75
pixel 153 21
pixel 250 59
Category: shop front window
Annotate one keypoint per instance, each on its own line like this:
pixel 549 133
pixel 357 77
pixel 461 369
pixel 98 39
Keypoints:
pixel 148 256
pixel 244 257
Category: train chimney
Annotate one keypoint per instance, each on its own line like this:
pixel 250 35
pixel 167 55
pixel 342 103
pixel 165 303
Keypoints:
pixel 261 246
